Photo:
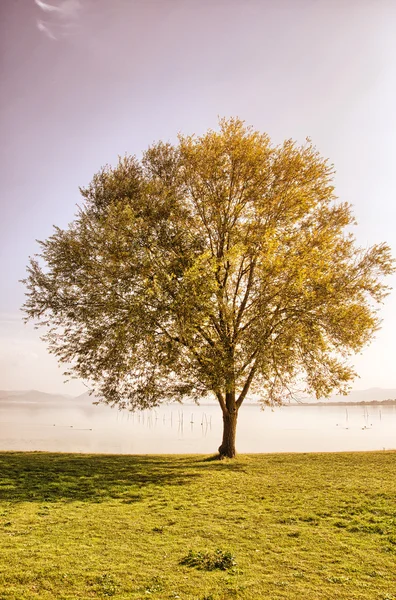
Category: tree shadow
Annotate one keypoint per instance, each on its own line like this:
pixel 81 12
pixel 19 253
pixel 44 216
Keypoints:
pixel 54 477
pixel 49 477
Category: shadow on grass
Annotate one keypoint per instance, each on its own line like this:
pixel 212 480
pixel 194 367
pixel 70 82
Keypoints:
pixel 50 477
pixel 94 478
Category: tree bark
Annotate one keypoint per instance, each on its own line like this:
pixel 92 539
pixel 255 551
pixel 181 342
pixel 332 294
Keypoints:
pixel 227 448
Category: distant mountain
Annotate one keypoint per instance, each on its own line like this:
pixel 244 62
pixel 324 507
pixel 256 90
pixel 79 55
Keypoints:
pixel 86 397
pixel 33 397
pixel 37 397
pixel 357 396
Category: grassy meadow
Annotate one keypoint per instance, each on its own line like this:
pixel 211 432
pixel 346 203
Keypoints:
pixel 280 526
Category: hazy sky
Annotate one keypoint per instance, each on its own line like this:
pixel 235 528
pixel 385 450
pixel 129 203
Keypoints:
pixel 83 81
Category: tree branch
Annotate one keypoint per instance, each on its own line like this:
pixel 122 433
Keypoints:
pixel 245 297
pixel 246 387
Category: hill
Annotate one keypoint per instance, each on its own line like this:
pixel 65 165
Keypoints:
pixel 370 396
pixel 33 397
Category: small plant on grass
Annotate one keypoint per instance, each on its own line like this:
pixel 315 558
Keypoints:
pixel 155 585
pixel 106 585
pixel 209 561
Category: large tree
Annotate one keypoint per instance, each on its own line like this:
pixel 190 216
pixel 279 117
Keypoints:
pixel 222 265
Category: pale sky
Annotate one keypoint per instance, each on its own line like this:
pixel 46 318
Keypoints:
pixel 83 81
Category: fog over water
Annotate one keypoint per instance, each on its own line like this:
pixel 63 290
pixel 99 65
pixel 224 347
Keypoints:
pixel 73 427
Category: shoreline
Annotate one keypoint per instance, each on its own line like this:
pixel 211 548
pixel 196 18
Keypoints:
pixel 204 456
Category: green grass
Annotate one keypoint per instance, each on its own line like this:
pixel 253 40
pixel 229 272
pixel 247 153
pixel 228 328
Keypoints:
pixel 297 526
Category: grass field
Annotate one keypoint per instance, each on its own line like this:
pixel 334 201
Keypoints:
pixel 297 526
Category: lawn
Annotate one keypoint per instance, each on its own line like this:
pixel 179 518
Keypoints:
pixel 285 526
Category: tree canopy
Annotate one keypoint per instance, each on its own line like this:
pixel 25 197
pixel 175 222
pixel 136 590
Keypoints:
pixel 220 265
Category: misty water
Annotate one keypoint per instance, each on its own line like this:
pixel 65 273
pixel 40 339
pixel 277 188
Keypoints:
pixel 194 429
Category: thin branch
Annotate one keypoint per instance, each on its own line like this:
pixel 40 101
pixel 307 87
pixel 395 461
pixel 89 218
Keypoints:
pixel 220 398
pixel 206 337
pixel 246 296
pixel 246 387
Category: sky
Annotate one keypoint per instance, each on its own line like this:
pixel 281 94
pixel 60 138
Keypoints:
pixel 84 81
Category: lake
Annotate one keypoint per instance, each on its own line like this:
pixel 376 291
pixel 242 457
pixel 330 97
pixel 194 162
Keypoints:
pixel 194 429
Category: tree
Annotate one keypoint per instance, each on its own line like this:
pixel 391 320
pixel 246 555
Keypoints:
pixel 222 265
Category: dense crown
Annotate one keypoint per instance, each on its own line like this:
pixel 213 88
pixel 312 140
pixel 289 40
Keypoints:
pixel 220 265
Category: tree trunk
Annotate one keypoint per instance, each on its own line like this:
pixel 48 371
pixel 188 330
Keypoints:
pixel 227 448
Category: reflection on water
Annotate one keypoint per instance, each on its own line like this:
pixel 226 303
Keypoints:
pixel 194 429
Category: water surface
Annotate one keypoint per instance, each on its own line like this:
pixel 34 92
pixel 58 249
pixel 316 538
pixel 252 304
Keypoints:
pixel 194 429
